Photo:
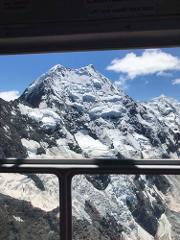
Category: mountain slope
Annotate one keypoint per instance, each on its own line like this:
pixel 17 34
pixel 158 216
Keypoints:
pixel 20 220
pixel 79 113
pixel 86 114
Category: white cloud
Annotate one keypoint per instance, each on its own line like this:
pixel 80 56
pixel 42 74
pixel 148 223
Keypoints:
pixel 153 61
pixel 176 81
pixel 122 82
pixel 164 74
pixel 9 95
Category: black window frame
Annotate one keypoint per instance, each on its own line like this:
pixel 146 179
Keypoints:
pixel 66 169
pixel 103 35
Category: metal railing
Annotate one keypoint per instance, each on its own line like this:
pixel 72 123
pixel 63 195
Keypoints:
pixel 65 170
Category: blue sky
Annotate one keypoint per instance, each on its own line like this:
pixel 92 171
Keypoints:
pixel 143 74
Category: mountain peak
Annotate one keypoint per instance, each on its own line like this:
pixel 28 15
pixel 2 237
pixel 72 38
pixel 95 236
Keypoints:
pixel 57 67
pixel 60 82
pixel 90 66
pixel 60 67
pixel 163 98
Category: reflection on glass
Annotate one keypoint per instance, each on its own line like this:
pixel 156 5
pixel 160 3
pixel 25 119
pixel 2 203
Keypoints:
pixel 29 206
pixel 126 207
pixel 106 104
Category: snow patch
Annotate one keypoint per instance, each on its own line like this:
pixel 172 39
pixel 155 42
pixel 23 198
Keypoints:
pixel 164 229
pixel 94 148
pixel 47 117
pixel 31 146
pixel 21 187
pixel 18 219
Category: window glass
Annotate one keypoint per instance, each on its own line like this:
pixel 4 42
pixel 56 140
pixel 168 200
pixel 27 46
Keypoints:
pixel 106 104
pixel 126 207
pixel 29 206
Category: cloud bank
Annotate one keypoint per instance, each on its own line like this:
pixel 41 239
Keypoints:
pixel 153 61
pixel 9 95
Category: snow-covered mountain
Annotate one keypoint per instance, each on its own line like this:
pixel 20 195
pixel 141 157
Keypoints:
pixel 79 113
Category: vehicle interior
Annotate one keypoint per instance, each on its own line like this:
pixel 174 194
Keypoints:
pixel 89 120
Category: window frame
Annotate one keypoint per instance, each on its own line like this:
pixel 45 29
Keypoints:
pixel 66 169
pixel 127 34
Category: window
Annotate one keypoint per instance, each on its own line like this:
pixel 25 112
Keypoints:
pixel 29 206
pixel 106 104
pixel 125 206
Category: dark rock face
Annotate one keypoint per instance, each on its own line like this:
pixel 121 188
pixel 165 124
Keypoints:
pixel 161 182
pixel 99 181
pixel 146 215
pixel 40 151
pixel 37 181
pixel 34 98
pixel 20 220
pixel 10 129
pixel 145 211
pixel 105 227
